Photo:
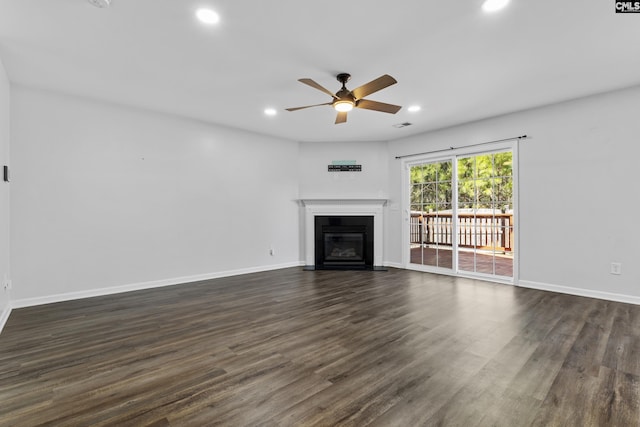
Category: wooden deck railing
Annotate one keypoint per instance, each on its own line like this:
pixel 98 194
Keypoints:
pixel 480 231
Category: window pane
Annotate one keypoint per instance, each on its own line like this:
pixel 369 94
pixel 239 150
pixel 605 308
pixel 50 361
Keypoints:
pixel 416 174
pixel 484 166
pixel 503 164
pixel 429 192
pixel 444 192
pixel 416 194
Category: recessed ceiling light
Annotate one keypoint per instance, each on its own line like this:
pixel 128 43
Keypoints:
pixel 270 111
pixel 494 5
pixel 207 16
pixel 414 108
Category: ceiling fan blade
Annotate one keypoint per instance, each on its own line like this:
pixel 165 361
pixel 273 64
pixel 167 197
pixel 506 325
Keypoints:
pixel 341 117
pixel 315 85
pixel 307 106
pixel 373 86
pixel 378 106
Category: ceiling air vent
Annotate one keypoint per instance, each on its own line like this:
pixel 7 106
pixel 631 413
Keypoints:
pixel 402 125
pixel 100 3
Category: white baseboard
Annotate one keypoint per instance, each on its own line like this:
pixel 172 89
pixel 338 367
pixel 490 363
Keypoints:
pixel 629 299
pixel 49 299
pixel 29 302
pixel 4 316
pixel 393 264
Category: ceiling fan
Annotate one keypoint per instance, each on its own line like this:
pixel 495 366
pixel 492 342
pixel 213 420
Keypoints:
pixel 345 100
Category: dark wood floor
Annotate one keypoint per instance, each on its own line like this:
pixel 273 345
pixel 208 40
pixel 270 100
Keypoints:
pixel 293 347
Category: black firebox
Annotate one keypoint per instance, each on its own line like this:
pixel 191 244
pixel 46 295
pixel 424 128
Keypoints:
pixel 343 242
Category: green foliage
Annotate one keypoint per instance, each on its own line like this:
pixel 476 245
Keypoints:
pixel 484 181
pixel 431 186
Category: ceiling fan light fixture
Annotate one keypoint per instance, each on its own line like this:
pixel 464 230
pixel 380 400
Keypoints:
pixel 343 105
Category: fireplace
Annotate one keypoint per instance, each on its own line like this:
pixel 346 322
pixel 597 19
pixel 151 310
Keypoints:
pixel 344 242
pixel 345 208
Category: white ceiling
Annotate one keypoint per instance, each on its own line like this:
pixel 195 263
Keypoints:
pixel 457 62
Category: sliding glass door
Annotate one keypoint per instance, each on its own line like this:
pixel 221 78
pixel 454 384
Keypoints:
pixel 431 227
pixel 485 214
pixel 461 216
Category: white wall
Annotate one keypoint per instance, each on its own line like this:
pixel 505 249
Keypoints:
pixel 317 182
pixel 578 191
pixel 108 198
pixel 4 192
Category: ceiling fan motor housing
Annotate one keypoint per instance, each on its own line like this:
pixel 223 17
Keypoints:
pixel 345 94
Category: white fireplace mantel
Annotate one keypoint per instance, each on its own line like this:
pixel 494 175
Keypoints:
pixel 346 207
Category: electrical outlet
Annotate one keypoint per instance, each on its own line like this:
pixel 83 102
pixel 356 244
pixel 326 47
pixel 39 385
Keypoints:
pixel 616 268
pixel 7 285
pixel 272 252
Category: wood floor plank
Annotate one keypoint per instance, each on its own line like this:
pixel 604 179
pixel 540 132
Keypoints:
pixel 353 348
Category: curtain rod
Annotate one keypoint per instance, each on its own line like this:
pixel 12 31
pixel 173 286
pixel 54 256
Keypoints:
pixel 466 146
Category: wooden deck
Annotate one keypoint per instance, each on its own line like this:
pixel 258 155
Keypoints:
pixel 324 348
pixel 483 263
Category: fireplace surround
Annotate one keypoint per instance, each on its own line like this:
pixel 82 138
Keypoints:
pixel 372 208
